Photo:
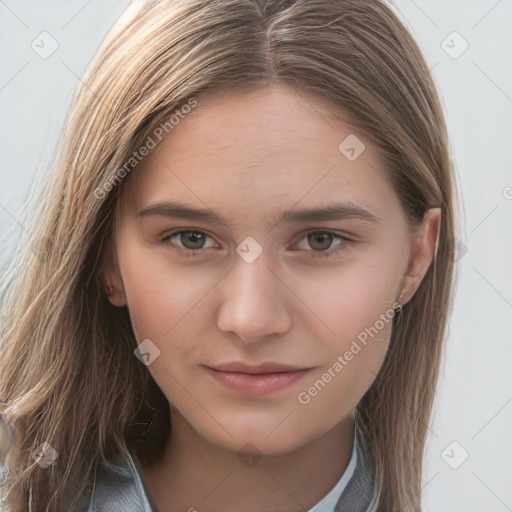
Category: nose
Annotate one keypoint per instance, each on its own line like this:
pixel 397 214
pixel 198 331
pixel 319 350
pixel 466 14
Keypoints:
pixel 255 304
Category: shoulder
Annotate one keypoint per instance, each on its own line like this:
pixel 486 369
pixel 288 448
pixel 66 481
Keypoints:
pixel 4 470
pixel 3 474
pixel 118 487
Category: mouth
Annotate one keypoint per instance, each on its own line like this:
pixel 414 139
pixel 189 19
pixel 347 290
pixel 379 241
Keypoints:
pixel 257 380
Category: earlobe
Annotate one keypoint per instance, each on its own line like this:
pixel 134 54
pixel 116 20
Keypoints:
pixel 110 279
pixel 423 252
pixel 115 294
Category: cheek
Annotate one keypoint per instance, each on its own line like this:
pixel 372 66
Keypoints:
pixel 361 322
pixel 336 389
pixel 160 295
pixel 345 301
pixel 354 304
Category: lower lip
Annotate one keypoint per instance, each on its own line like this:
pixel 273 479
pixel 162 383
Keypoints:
pixel 258 384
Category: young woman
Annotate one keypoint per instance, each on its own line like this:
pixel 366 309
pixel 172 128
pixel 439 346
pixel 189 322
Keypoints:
pixel 235 289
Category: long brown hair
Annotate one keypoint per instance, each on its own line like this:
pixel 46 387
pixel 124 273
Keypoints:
pixel 68 374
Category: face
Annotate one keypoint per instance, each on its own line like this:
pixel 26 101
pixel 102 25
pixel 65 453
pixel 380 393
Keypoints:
pixel 269 309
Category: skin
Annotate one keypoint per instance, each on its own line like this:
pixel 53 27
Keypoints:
pixel 249 157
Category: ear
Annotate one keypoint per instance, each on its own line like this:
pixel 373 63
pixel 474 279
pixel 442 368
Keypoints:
pixel 424 243
pixel 109 276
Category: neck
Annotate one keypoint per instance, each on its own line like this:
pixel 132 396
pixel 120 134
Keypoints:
pixel 194 474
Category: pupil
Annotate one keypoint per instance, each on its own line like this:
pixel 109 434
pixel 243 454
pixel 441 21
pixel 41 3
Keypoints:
pixel 320 237
pixel 192 238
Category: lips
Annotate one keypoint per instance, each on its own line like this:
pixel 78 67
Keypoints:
pixel 260 369
pixel 256 380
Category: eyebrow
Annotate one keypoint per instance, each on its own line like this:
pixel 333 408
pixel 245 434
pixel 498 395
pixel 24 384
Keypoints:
pixel 334 211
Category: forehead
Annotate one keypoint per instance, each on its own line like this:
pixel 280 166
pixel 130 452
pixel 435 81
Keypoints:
pixel 262 150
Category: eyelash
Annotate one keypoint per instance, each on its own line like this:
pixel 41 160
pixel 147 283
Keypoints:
pixel 315 254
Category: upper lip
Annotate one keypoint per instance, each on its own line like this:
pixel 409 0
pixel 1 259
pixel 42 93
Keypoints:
pixel 260 369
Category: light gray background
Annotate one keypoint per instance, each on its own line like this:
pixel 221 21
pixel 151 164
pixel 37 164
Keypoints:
pixel 474 408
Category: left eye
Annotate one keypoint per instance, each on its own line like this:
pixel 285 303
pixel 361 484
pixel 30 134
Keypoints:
pixel 321 240
pixel 321 243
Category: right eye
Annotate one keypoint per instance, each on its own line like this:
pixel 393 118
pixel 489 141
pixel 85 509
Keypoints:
pixel 187 241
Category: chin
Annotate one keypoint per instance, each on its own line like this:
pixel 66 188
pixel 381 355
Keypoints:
pixel 249 442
